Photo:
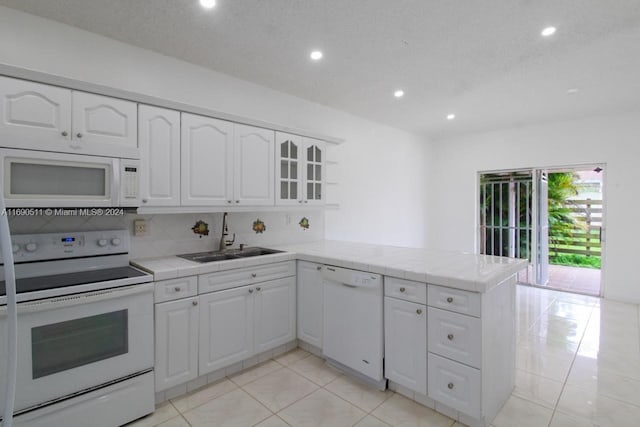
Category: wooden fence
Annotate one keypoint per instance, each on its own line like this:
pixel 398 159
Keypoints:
pixel 585 239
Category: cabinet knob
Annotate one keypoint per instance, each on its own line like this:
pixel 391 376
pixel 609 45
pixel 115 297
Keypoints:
pixel 237 201
pixel 419 311
pixel 250 291
pixel 65 133
pixel 78 135
pixel 258 288
pixel 299 201
pixel 177 289
pixel 306 201
pixel 319 268
pixel 450 337
pixel 402 289
pixel 194 302
pixel 450 385
pixel 228 201
pixel 254 275
pixel 449 300
pixel 144 200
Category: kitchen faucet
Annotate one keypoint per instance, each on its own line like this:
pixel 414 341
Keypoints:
pixel 225 232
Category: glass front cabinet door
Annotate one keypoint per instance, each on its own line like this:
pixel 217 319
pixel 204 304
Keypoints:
pixel 299 170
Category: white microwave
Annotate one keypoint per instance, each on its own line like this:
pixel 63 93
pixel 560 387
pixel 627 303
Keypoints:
pixel 46 179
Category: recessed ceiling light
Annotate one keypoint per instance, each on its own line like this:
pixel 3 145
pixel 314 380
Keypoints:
pixel 316 55
pixel 549 31
pixel 208 4
pixel 572 91
pixel 399 93
pixel 451 116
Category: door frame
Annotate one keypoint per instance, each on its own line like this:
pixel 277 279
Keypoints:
pixel 550 169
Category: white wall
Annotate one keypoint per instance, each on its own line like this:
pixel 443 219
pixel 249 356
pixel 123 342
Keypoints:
pixel 380 166
pixel 614 140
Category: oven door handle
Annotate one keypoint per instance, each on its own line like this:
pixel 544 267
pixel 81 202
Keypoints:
pixel 83 298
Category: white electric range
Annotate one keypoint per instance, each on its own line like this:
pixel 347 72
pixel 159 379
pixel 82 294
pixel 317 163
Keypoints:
pixel 85 331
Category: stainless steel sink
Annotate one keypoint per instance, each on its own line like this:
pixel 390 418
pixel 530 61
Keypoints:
pixel 227 255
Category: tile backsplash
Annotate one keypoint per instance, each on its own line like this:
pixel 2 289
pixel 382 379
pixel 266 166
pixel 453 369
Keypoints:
pixel 171 234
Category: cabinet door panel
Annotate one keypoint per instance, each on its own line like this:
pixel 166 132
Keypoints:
pixel 34 116
pixel 289 166
pixel 207 161
pixel 405 332
pixel 254 168
pixel 226 328
pixel 176 343
pixel 314 171
pixel 310 297
pixel 275 309
pixel 104 126
pixel 159 136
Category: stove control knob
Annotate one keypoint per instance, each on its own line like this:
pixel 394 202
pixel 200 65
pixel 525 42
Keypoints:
pixel 102 243
pixel 115 241
pixel 31 247
pixel 15 248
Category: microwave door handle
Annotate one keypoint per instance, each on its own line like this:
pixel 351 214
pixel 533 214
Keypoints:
pixel 115 182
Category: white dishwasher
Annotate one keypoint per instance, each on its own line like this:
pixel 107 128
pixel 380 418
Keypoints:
pixel 353 322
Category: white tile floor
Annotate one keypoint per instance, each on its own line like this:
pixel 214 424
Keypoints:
pixel 578 364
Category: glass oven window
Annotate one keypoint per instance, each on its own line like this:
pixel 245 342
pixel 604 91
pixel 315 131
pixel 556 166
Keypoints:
pixel 57 180
pixel 66 345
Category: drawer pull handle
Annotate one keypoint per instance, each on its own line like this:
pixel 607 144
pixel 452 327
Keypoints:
pixel 450 337
pixel 449 300
pixel 419 311
pixel 177 289
pixel 450 385
pixel 194 302
pixel 402 289
pixel 254 275
pixel 250 291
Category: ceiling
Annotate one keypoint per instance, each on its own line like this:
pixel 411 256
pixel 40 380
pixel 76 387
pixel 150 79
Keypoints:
pixel 485 61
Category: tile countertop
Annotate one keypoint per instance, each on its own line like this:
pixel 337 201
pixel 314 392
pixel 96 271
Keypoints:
pixel 478 273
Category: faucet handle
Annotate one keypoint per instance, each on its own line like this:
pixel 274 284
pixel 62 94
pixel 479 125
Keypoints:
pixel 242 246
pixel 230 242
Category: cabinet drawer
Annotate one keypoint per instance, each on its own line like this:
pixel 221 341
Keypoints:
pixel 455 336
pixel 169 290
pixel 405 289
pixel 244 276
pixel 454 300
pixel 455 385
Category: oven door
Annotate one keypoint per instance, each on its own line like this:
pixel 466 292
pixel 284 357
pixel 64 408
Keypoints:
pixel 73 343
pixel 44 179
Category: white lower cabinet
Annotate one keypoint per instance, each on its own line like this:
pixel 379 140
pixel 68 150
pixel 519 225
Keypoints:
pixel 226 328
pixel 213 330
pixel 275 313
pixel 176 352
pixel 405 334
pixel 310 297
pixel 454 384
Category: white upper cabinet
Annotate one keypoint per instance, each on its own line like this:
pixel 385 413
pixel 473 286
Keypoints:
pixel 159 138
pixel 34 116
pixel 253 177
pixel 299 170
pixel 288 169
pixel 206 161
pixel 314 158
pixel 104 126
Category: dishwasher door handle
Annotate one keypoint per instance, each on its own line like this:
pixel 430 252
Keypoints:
pixel 349 285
